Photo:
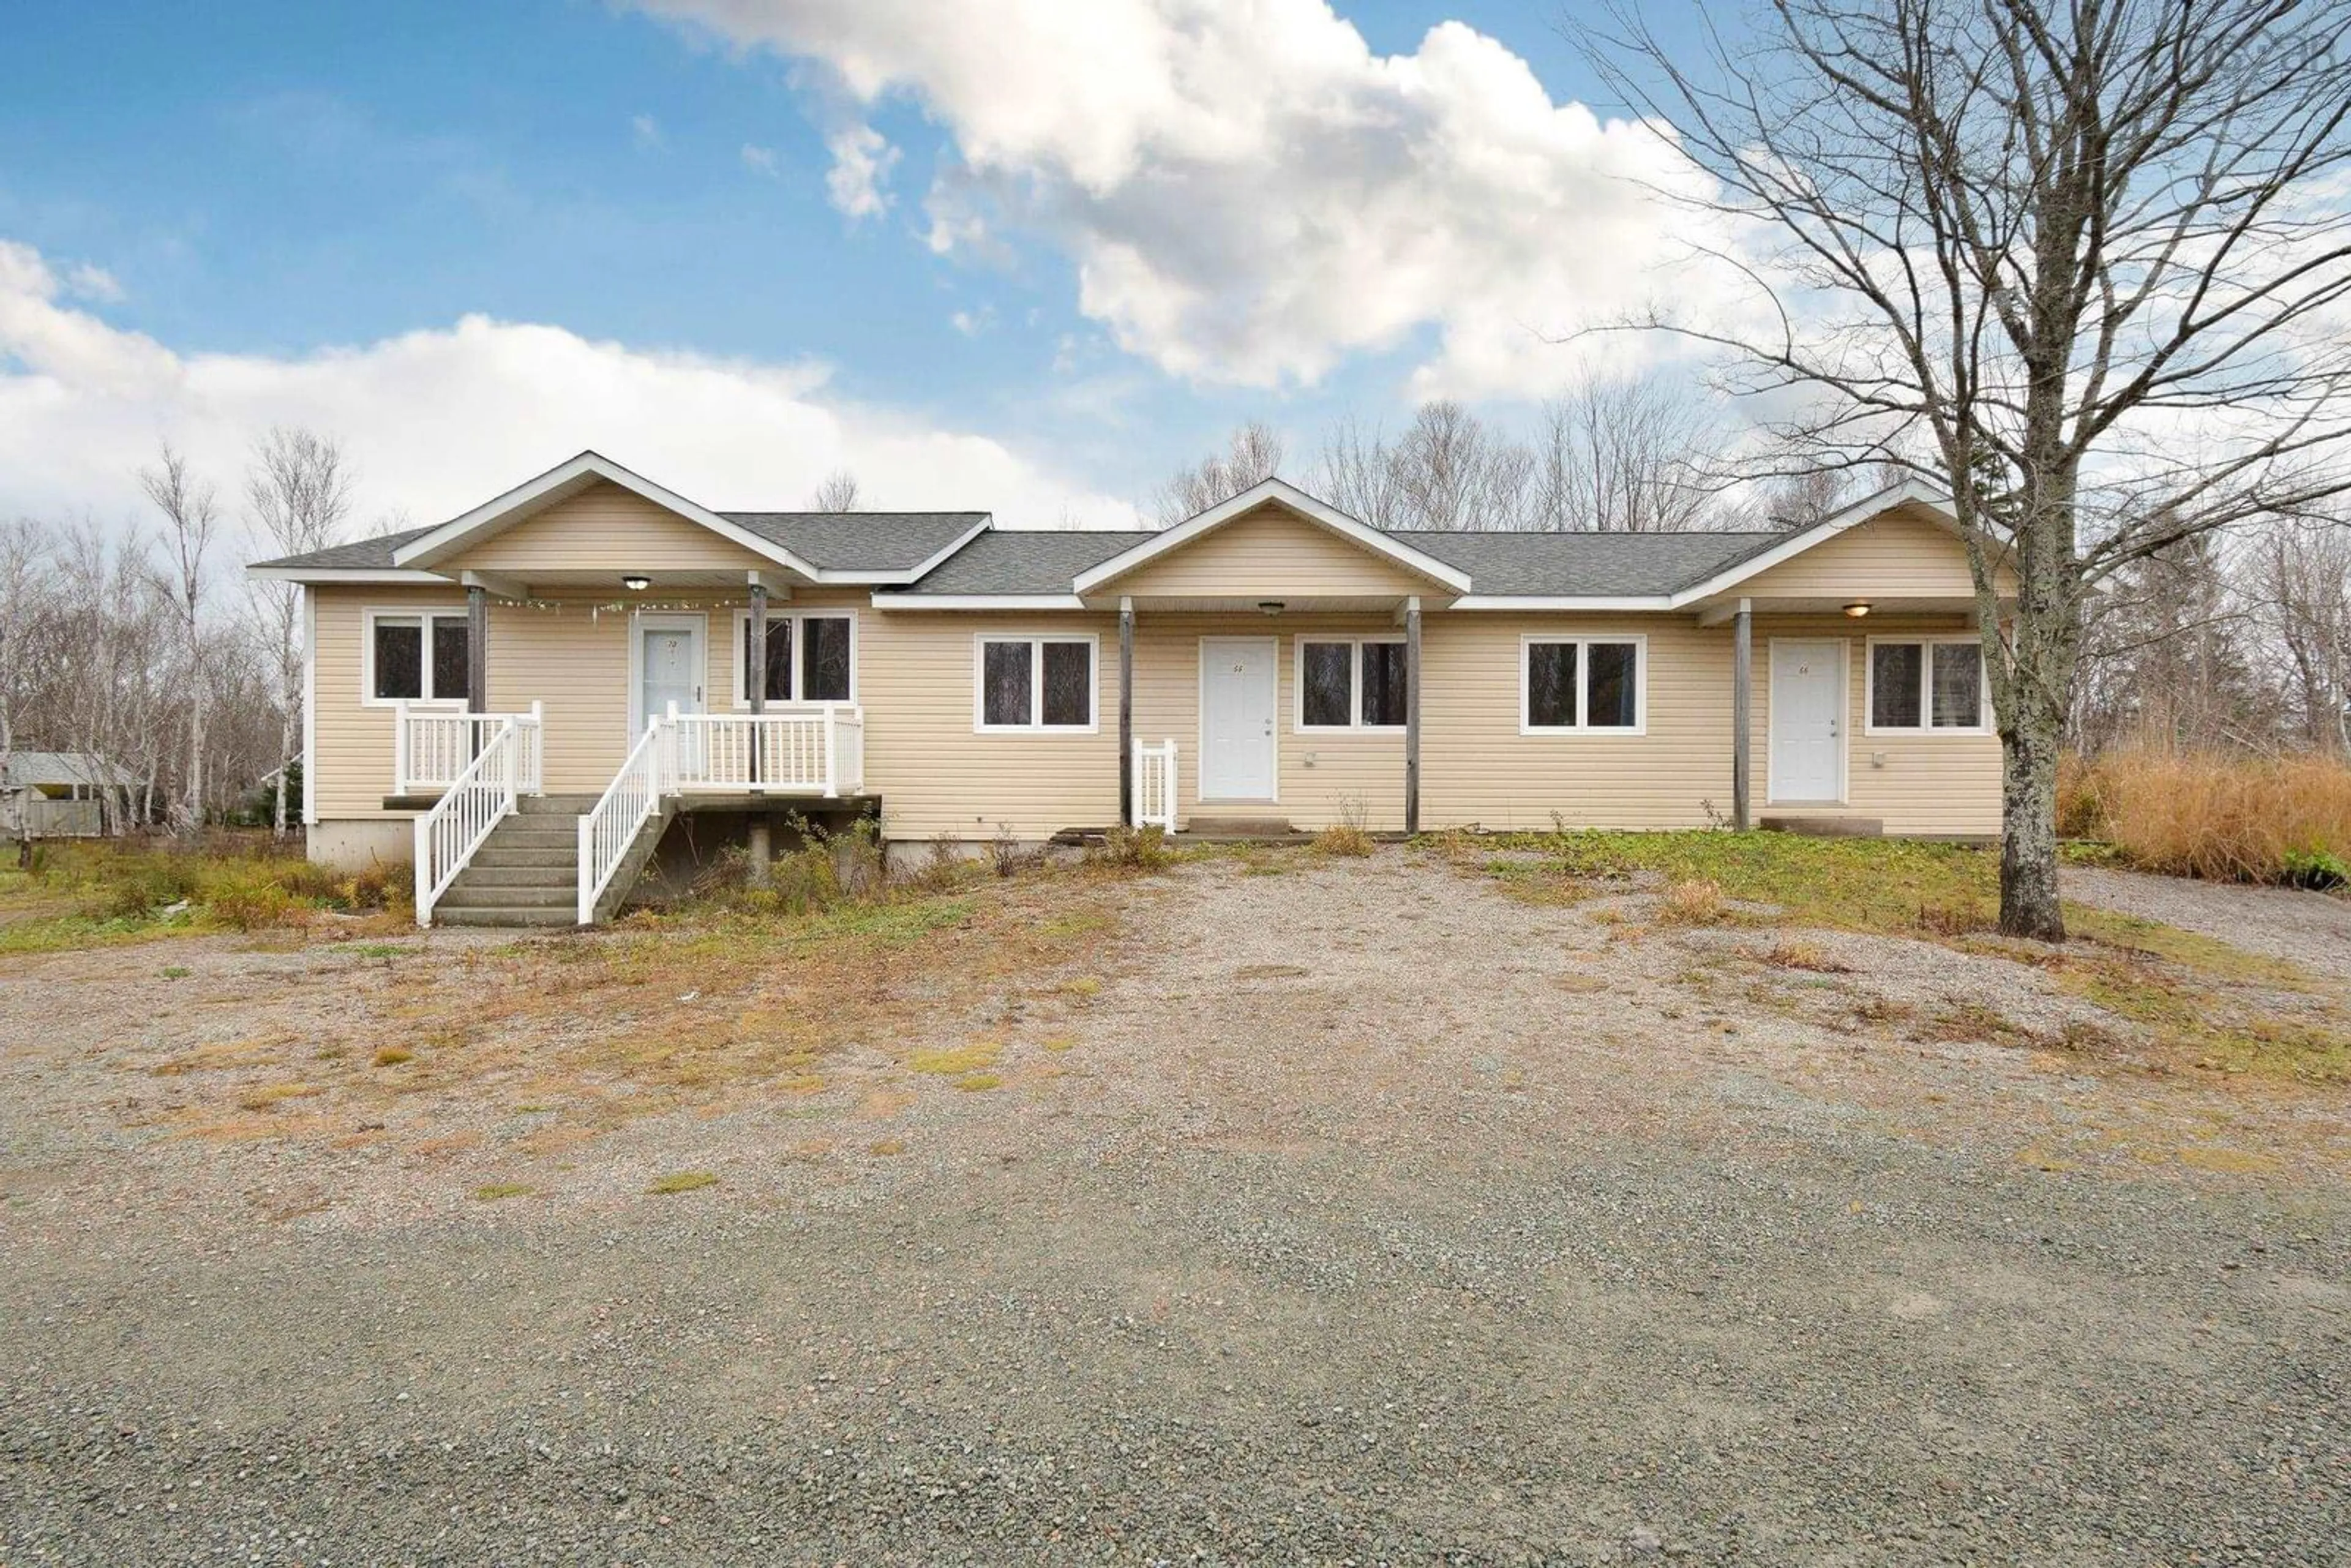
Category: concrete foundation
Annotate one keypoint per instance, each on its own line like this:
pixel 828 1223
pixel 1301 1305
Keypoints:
pixel 358 842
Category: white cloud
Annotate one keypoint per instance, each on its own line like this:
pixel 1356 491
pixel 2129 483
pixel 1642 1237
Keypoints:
pixel 1248 194
pixel 760 160
pixel 645 130
pixel 972 323
pixel 84 281
pixel 438 420
pixel 862 162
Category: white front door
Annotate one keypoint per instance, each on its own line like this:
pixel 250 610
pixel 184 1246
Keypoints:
pixel 668 666
pixel 1237 701
pixel 1807 721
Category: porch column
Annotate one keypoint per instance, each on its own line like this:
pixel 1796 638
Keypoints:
pixel 1127 711
pixel 1412 715
pixel 1742 702
pixel 754 669
pixel 477 648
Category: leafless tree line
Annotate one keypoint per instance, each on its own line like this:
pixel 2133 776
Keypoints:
pixel 1646 455
pixel 146 650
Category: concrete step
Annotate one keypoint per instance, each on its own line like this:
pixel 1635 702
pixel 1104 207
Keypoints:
pixel 495 853
pixel 555 805
pixel 461 896
pixel 505 916
pixel 565 875
pixel 518 834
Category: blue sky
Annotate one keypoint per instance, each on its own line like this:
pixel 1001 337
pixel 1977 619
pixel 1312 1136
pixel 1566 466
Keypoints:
pixel 274 182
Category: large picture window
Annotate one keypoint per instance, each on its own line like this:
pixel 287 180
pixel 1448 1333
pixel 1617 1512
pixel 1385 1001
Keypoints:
pixel 417 656
pixel 1034 684
pixel 1350 683
pixel 1922 685
pixel 809 658
pixel 1574 685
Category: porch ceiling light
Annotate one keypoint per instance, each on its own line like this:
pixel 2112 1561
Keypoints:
pixel 1271 606
pixel 637 582
pixel 1857 609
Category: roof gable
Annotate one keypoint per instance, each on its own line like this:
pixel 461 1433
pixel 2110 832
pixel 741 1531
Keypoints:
pixel 1287 498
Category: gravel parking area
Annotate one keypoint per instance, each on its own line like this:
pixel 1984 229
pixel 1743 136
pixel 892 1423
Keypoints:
pixel 1316 1211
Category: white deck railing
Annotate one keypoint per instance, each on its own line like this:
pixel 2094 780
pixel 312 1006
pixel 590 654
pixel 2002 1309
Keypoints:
pixel 619 814
pixel 1154 786
pixel 432 745
pixel 800 751
pixel 476 800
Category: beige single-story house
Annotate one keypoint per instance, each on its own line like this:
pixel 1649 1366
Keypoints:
pixel 55 794
pixel 525 696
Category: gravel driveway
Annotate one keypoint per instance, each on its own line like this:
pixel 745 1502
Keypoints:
pixel 1351 1213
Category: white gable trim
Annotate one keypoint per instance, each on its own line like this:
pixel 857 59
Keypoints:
pixel 492 516
pixel 345 574
pixel 1298 501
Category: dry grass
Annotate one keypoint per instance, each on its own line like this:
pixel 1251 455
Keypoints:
pixel 1349 836
pixel 1790 953
pixel 1695 902
pixel 2227 819
pixel 87 893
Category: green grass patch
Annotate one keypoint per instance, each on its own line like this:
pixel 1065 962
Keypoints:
pixel 682 1181
pixel 955 1060
pixel 177 971
pixel 498 1191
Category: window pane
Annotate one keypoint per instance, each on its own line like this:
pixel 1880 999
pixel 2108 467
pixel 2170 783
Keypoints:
pixel 1612 703
pixel 1383 683
pixel 1958 685
pixel 824 660
pixel 1069 684
pixel 399 659
pixel 1004 682
pixel 450 674
pixel 1893 672
pixel 1551 686
pixel 1329 676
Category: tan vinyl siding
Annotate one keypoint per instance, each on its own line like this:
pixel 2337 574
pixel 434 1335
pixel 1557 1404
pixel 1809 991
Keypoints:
pixel 605 528
pixel 1269 553
pixel 1891 557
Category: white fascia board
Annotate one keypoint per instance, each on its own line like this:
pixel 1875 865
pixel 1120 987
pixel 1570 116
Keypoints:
pixel 1589 602
pixel 1014 602
pixel 332 574
pixel 1298 501
pixel 424 550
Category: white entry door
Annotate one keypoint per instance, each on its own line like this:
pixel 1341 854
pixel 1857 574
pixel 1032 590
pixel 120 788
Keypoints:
pixel 1238 700
pixel 1807 721
pixel 668 666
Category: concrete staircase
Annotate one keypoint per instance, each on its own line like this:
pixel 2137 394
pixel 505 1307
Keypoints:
pixel 527 873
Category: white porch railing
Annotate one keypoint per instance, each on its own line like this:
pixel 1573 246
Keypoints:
pixel 801 751
pixel 476 800
pixel 1154 786
pixel 611 826
pixel 432 745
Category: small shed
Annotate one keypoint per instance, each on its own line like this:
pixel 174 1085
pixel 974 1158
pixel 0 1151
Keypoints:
pixel 55 794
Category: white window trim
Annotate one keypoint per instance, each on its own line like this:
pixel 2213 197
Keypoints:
pixel 1925 727
pixel 1583 641
pixel 1036 640
pixel 1356 646
pixel 426 614
pixel 742 631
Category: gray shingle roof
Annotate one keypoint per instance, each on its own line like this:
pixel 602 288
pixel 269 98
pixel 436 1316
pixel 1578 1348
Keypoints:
pixel 1024 560
pixel 55 770
pixel 1589 565
pixel 360 555
pixel 860 541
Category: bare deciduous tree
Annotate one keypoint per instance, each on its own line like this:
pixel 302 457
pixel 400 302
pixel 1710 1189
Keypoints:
pixel 1628 457
pixel 2090 257
pixel 837 493
pixel 191 511
pixel 297 495
pixel 2301 596
pixel 1251 455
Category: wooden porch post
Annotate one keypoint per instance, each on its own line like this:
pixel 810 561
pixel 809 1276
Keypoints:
pixel 754 672
pixel 477 648
pixel 1742 702
pixel 1412 715
pixel 1127 711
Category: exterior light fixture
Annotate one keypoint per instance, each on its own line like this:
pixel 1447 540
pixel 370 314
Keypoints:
pixel 1271 606
pixel 1857 609
pixel 637 582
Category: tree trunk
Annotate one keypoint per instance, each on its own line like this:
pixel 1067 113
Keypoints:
pixel 2029 742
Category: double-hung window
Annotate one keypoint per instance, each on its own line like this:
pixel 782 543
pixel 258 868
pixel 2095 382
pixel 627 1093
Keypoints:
pixel 1034 684
pixel 1580 685
pixel 809 658
pixel 1927 685
pixel 1350 683
pixel 416 656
